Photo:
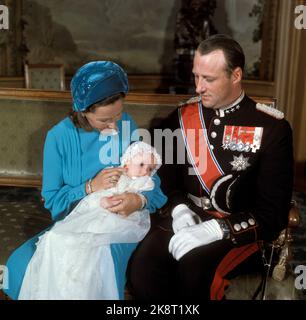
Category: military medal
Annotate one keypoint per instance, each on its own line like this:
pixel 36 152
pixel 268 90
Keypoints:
pixel 242 139
pixel 240 163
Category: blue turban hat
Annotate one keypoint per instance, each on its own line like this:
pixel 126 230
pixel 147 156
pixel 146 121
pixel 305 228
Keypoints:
pixel 96 81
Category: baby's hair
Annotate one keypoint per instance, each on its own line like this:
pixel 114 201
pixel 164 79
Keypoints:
pixel 139 146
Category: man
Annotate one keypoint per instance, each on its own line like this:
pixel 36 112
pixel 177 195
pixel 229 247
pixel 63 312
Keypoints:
pixel 234 190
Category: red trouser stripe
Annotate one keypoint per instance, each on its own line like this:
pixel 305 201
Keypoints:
pixel 229 262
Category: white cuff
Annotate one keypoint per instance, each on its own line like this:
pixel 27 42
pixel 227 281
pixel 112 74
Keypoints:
pixel 144 200
pixel 178 209
pixel 215 226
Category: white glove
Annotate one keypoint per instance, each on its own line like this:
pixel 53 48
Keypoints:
pixel 182 217
pixel 194 236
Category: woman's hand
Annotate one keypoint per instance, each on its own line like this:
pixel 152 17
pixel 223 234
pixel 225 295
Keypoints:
pixel 127 203
pixel 107 178
pixel 106 203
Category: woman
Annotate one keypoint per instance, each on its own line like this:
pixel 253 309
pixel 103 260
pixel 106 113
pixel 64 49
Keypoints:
pixel 79 157
pixel 73 259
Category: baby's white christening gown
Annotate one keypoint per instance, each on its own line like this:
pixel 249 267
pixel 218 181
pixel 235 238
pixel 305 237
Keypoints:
pixel 73 259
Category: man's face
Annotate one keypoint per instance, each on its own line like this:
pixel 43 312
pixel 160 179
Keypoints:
pixel 105 117
pixel 213 83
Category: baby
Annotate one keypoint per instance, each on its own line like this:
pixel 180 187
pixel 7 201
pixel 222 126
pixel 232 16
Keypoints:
pixel 139 160
pixel 73 259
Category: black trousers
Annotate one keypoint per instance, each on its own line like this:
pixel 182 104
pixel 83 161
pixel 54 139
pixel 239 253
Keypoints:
pixel 154 275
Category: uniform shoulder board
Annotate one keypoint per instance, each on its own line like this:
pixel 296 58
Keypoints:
pixel 270 111
pixel 189 101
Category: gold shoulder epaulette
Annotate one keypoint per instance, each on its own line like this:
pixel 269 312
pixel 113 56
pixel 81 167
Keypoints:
pixel 189 101
pixel 270 111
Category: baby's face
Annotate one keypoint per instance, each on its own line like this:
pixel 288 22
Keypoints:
pixel 141 165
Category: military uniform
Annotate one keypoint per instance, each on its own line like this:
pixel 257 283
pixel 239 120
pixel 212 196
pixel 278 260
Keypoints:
pixel 251 145
pixel 262 171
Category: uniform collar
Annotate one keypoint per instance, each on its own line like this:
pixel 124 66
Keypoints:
pixel 234 106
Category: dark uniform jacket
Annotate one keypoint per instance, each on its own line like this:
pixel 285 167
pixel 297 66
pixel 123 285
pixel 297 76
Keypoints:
pixel 258 195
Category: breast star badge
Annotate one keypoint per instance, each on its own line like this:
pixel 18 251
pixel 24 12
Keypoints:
pixel 240 163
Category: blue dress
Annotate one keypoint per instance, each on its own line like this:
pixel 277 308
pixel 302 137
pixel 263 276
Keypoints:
pixel 71 157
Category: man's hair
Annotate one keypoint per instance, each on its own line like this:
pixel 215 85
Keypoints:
pixel 81 122
pixel 232 50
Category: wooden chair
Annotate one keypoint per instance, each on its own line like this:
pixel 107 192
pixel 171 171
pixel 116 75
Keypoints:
pixel 281 248
pixel 44 76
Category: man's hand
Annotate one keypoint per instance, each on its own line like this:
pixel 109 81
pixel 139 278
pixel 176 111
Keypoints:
pixel 126 203
pixel 194 236
pixel 182 217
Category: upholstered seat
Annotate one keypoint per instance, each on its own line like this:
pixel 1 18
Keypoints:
pixel 44 76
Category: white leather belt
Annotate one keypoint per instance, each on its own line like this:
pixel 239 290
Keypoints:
pixel 202 202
